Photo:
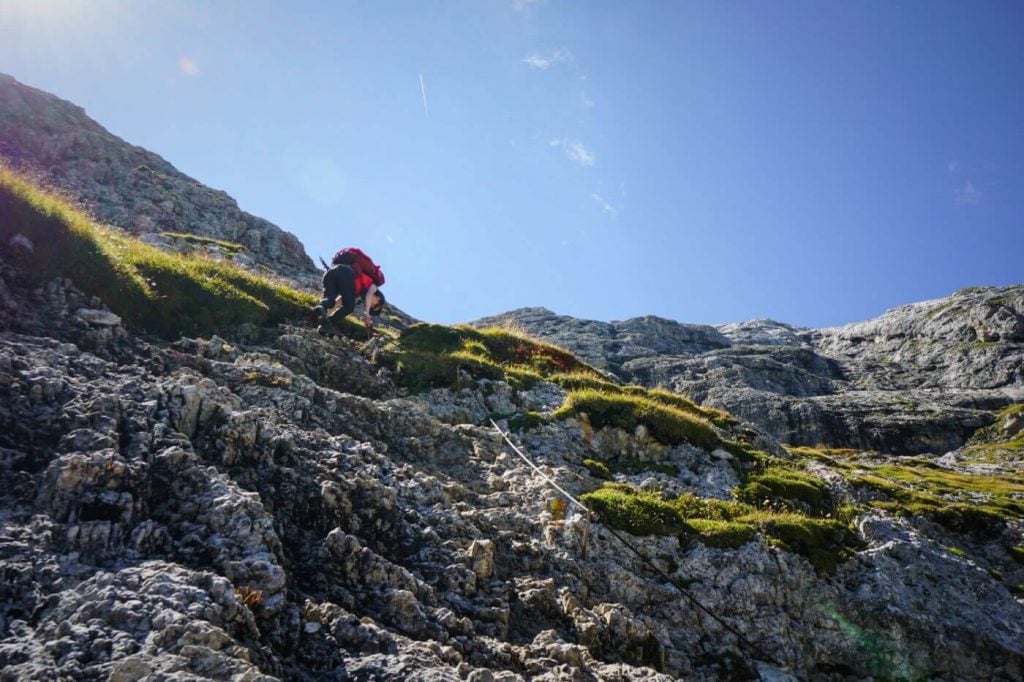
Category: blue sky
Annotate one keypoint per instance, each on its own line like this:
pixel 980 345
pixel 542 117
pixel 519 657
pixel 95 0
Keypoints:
pixel 812 162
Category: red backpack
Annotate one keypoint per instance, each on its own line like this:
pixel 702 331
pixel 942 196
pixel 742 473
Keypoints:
pixel 361 264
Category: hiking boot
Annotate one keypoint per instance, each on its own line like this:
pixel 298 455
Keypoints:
pixel 319 312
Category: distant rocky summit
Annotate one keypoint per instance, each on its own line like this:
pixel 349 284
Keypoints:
pixel 920 378
pixel 135 189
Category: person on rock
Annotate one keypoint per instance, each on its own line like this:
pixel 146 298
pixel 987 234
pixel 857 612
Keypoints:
pixel 352 276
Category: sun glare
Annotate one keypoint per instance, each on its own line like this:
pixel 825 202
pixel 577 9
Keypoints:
pixel 50 21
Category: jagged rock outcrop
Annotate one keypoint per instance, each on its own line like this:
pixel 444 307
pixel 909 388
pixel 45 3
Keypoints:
pixel 271 506
pixel 134 189
pixel 611 345
pixel 920 378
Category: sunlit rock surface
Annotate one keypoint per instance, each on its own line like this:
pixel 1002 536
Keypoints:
pixel 920 378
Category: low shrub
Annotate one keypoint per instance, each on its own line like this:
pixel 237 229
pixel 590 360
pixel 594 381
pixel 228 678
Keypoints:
pixel 576 381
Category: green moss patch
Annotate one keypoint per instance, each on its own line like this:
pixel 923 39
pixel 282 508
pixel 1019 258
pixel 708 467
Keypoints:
pixel 966 503
pixel 744 452
pixel 719 418
pixel 634 511
pixel 441 354
pixel 723 524
pixel 431 338
pixel 788 488
pixel 598 469
pixel 512 348
pixel 667 425
pixel 835 457
pixel 577 381
pixel 526 421
pixel 722 534
pixel 420 371
pixel 825 542
pixel 974 504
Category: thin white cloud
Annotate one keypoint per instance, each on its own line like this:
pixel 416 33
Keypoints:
pixel 188 66
pixel 391 240
pixel 953 166
pixel 968 194
pixel 585 100
pixel 544 62
pixel 605 206
pixel 520 5
pixel 423 91
pixel 576 152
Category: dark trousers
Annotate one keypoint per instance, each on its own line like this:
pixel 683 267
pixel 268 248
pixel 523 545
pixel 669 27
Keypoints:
pixel 340 280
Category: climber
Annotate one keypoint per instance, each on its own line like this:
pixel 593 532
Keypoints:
pixel 351 276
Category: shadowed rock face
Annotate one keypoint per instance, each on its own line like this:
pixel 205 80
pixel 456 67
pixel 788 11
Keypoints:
pixel 920 378
pixel 131 188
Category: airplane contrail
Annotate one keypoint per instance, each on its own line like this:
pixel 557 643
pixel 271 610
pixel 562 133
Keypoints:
pixel 423 91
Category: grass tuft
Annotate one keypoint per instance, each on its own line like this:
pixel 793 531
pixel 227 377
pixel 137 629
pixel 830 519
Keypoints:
pixel 166 294
pixel 441 353
pixel 667 425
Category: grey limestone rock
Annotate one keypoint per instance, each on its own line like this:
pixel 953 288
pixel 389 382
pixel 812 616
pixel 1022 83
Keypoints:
pixel 919 378
pixel 132 188
pixel 273 507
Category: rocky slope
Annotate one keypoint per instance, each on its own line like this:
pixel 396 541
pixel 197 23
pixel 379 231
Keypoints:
pixel 135 189
pixel 920 378
pixel 264 503
pixel 270 504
